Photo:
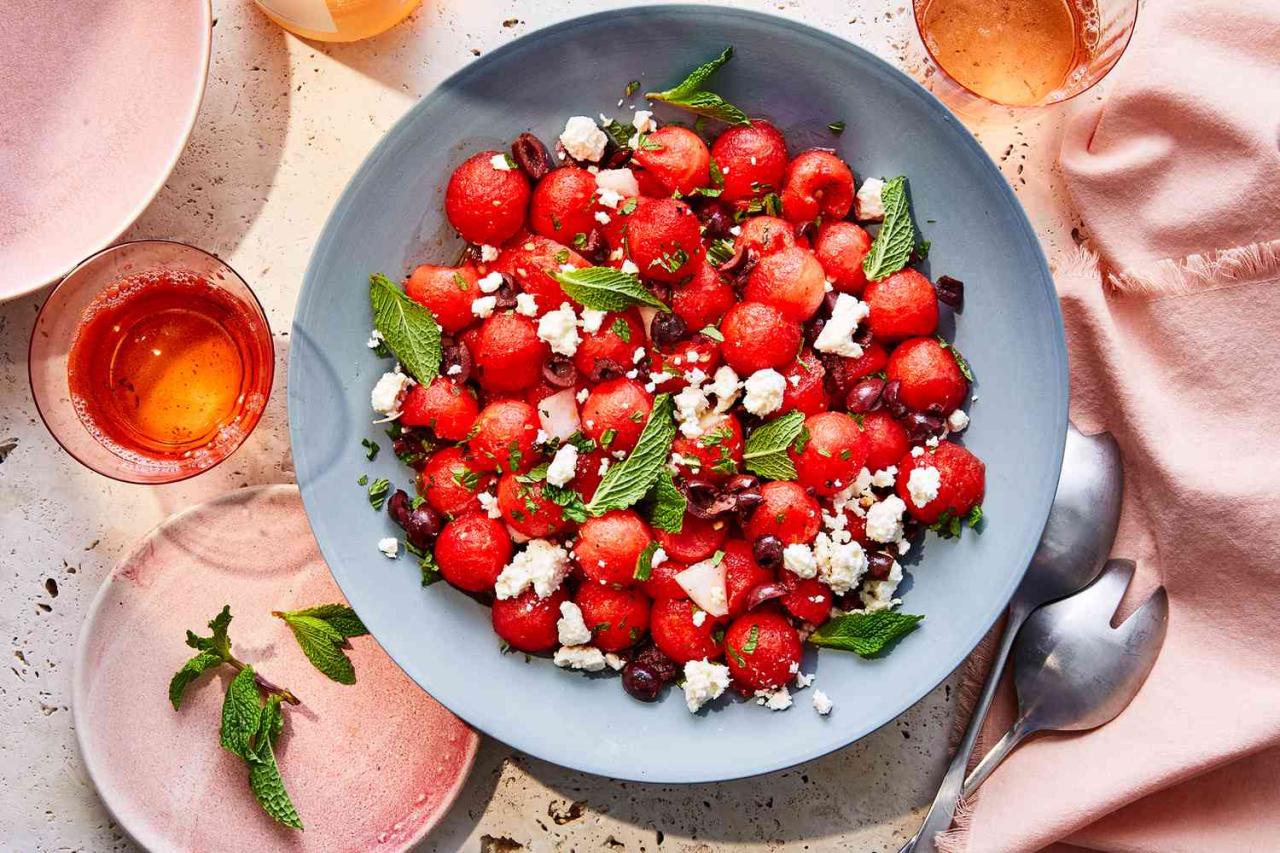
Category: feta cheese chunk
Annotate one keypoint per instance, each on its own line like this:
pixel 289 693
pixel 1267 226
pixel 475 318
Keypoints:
pixel 542 566
pixel 586 658
pixel 704 681
pixel 488 253
pixel 841 561
pixel 489 503
pixel 884 519
pixel 571 629
pixel 885 478
pixel 691 404
pixel 375 338
pixel 501 163
pixel 582 140
pixel 591 320
pixel 799 560
pixel 643 122
pixel 526 304
pixel 822 703
pixel 869 203
pixel 725 385
pixel 615 662
pixel 958 421
pixel 629 267
pixel 774 700
pixel 484 306
pixel 390 546
pixel 804 680
pixel 878 595
pixel 489 283
pixel 764 391
pixel 563 467
pixel 837 334
pixel 388 393
pixel 559 328
pixel 923 485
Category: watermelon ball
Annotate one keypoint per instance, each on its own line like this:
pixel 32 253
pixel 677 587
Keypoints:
pixel 528 623
pixel 948 479
pixel 561 205
pixel 614 414
pixel 806 385
pixel 450 482
pixel 609 547
pixel 617 340
pixel 472 550
pixel 758 336
pixel 714 455
pixel 508 353
pixel 524 507
pixel 681 638
pixel 764 235
pixel 903 305
pixel 617 618
pixel 532 262
pixel 841 248
pixel 762 650
pixel 929 376
pixel 445 407
pixel 817 183
pixel 846 372
pixel 447 291
pixel 786 511
pixel 834 451
pixel 484 203
pixel 675 159
pixel 704 299
pixel 753 159
pixel 664 239
pixel 503 437
pixel 886 440
pixel 698 539
pixel 790 280
pixel 662 583
pixel 807 599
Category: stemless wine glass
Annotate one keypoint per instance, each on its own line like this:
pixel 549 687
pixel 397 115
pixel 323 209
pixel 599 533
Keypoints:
pixel 168 343
pixel 1022 53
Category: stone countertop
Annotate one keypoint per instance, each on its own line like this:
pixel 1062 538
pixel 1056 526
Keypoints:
pixel 283 126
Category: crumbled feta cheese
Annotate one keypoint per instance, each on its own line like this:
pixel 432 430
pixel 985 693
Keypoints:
pixel 822 703
pixel 389 546
pixel 615 662
pixel 388 393
pixel 643 122
pixel 841 561
pixel 591 320
pixel 375 338
pixel 803 680
pixel 869 204
pixel 586 658
pixel 563 466
pixel 958 421
pixel 878 595
pixel 699 617
pixel 659 557
pixel 490 283
pixel 629 267
pixel 837 334
pixel 583 140
pixel 725 385
pixel 501 163
pixel 542 565
pixel 608 198
pixel 618 182
pixel 798 559
pixel 582 395
pixel 704 681
pixel 638 355
pixel 526 304
pixel 932 441
pixel 884 519
pixel 570 627
pixel 885 478
pixel 454 370
pixel 602 217
pixel 541 436
pixel 917 451
pixel 489 503
pixel 691 404
pixel 765 389
pixel 923 484
pixel 736 230
pixel 604 466
pixel 488 253
pixel 774 700
pixel 484 306
pixel 559 328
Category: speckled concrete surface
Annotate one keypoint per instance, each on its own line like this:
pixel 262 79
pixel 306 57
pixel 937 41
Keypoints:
pixel 284 124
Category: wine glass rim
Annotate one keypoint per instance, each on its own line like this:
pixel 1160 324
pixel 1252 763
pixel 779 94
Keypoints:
pixel 120 476
pixel 1134 5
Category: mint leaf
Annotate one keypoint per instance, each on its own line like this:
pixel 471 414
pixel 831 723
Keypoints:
pixel 321 643
pixel 341 617
pixel 865 634
pixel 629 480
pixel 896 239
pixel 606 289
pixel 644 562
pixel 713 333
pixel 974 517
pixel 407 328
pixel 669 505
pixel 264 773
pixel 691 95
pixel 241 713
pixel 766 449
pixel 218 641
pixel 961 362
pixel 191 670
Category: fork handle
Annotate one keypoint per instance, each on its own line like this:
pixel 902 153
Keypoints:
pixel 998 753
pixel 943 810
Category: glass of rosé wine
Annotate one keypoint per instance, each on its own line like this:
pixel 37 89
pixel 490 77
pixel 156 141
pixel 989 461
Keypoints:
pixel 151 362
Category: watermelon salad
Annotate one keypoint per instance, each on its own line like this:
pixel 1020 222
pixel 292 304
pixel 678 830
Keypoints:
pixel 681 406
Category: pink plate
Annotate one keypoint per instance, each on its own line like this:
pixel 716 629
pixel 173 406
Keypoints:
pixel 372 766
pixel 97 99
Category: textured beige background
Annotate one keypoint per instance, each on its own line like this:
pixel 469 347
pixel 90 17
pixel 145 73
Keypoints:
pixel 284 125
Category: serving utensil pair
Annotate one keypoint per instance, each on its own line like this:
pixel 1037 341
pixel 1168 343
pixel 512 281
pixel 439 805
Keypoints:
pixel 1072 670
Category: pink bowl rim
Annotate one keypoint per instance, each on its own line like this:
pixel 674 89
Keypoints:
pixel 43 280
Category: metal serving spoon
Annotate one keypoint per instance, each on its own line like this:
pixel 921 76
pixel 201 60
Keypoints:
pixel 1073 671
pixel 1076 541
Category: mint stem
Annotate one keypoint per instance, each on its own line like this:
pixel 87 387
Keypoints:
pixel 264 684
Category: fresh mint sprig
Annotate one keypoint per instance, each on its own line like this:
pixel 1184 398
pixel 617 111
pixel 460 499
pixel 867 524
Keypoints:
pixel 627 482
pixel 765 453
pixel 895 242
pixel 691 95
pixel 322 633
pixel 606 289
pixel 408 329
pixel 865 634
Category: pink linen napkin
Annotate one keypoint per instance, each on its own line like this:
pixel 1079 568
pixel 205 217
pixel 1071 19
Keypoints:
pixel 1174 333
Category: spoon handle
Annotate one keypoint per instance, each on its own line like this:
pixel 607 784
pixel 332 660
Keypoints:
pixel 998 753
pixel 943 810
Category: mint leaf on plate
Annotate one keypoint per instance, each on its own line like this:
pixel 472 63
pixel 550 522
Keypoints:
pixel 691 95
pixel 627 482
pixel 896 240
pixel 322 643
pixel 241 713
pixel 409 330
pixel 606 289
pixel 191 670
pixel 264 774
pixel 765 453
pixel 865 634
pixel 339 616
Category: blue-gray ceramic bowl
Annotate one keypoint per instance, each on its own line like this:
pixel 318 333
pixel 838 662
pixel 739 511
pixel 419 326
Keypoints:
pixel 390 218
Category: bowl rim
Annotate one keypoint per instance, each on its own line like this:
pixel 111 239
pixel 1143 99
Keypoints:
pixel 960 650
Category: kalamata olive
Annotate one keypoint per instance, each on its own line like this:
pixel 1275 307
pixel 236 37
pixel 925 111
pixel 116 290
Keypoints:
pixel 706 500
pixel 641 682
pixel 921 426
pixel 715 221
pixel 657 660
pixel 950 291
pixel 862 335
pixel 829 302
pixel 742 483
pixel 879 565
pixel 890 399
pixel 605 369
pixel 532 156
pixel 746 502
pixel 423 526
pixel 764 592
pixel 413 448
pixel 813 328
pixel 806 230
pixel 865 396
pixel 768 551
pixel 668 329
pixel 504 298
pixel 560 372
pixel 455 354
pixel 594 248
pixel 398 507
